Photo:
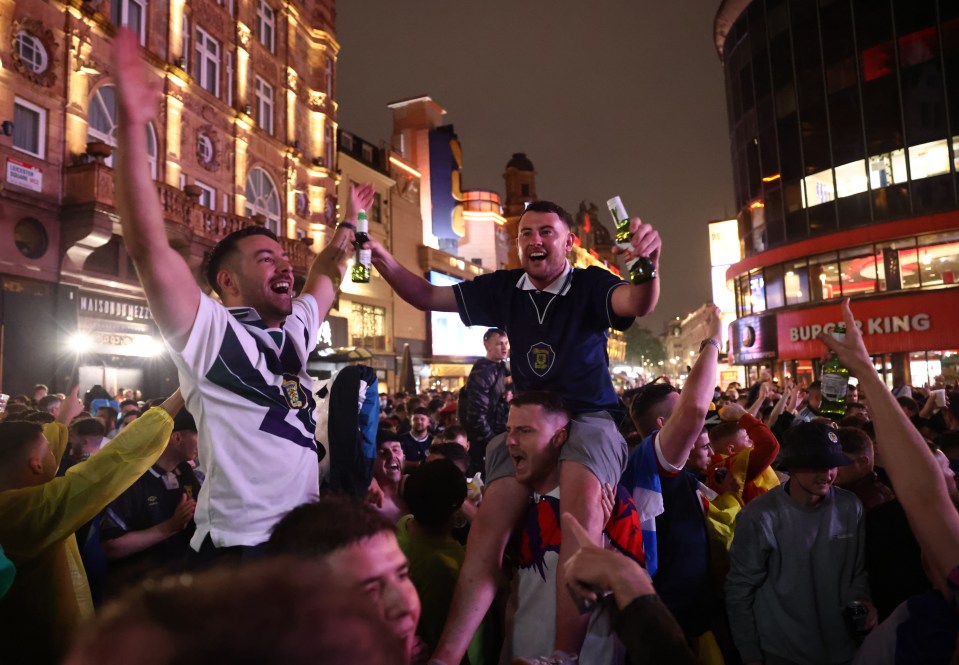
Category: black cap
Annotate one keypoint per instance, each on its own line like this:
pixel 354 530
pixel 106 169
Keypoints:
pixel 813 446
pixel 183 421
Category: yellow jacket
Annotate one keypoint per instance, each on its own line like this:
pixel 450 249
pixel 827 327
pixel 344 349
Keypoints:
pixel 50 595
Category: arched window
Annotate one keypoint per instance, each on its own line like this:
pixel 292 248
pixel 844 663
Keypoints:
pixel 262 198
pixel 102 125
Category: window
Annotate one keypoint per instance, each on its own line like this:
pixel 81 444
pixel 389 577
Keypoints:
pixel 229 78
pixel 367 153
pixel 31 238
pixel 897 265
pixel 264 105
pixel 207 72
pixel 368 326
pixel 857 267
pixel 207 195
pixel 130 13
pixel 102 125
pixel 185 65
pixel 262 198
pixel 204 148
pixel 796 281
pixel 266 25
pixel 32 52
pixel 939 259
pixel 29 128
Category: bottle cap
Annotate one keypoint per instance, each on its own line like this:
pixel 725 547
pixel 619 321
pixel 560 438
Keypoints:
pixel 362 224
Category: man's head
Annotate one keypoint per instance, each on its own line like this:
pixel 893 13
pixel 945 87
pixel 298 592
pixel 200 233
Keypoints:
pixel 26 458
pixel 814 394
pixel 812 455
pixel 420 422
pixel 536 429
pixel 857 446
pixel 359 547
pixel 129 416
pixel 699 456
pixel 908 405
pixel 250 268
pixel 543 241
pixel 108 416
pixel 86 435
pixel 852 393
pixel 272 612
pixel 651 407
pixel 184 438
pixel 128 405
pixel 728 438
pixel 455 434
pixel 50 404
pixel 388 465
pixel 434 492
pixel 497 344
pixel 39 392
pixel 450 451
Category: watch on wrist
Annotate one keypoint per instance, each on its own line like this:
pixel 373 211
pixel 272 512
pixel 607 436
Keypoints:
pixel 710 340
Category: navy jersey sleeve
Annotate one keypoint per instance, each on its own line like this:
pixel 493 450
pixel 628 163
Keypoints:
pixel 603 283
pixel 484 300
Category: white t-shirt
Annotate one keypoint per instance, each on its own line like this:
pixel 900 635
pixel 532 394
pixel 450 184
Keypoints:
pixel 248 390
pixel 531 616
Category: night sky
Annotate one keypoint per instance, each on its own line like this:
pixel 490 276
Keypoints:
pixel 607 97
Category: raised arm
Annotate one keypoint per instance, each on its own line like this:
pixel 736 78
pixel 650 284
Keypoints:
pixel 173 294
pixel 412 288
pixel 329 266
pixel 913 470
pixel 684 426
pixel 639 300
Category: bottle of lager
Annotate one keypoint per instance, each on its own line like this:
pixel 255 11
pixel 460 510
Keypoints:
pixel 641 268
pixel 835 379
pixel 361 262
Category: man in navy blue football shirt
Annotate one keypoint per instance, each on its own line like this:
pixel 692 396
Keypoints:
pixel 558 320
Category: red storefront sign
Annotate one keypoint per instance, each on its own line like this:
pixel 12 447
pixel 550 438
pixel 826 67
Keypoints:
pixel 914 322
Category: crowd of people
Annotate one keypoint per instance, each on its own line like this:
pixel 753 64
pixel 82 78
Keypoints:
pixel 537 517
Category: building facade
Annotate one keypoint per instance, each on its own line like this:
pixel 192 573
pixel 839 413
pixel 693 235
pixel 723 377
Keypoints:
pixel 245 134
pixel 844 128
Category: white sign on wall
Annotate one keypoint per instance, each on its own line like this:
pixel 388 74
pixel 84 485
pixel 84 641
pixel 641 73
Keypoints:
pixel 24 175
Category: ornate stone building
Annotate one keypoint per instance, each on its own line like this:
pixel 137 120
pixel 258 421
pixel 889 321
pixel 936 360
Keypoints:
pixel 245 134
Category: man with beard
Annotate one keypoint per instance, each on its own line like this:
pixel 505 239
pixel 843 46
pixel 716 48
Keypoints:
pixel 558 320
pixel 242 364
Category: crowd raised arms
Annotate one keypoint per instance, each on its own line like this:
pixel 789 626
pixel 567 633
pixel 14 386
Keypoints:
pixel 539 516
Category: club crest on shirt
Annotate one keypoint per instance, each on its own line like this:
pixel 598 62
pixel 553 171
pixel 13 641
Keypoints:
pixel 540 358
pixel 293 393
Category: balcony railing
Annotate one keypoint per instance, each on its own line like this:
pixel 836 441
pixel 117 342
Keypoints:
pixel 92 183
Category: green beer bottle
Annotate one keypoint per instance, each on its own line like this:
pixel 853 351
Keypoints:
pixel 363 258
pixel 641 268
pixel 835 379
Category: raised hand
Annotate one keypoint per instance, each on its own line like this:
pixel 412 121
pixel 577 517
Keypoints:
pixel 714 324
pixel 138 96
pixel 645 241
pixel 851 351
pixel 361 198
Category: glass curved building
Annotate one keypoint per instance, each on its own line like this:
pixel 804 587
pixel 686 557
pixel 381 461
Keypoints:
pixel 844 133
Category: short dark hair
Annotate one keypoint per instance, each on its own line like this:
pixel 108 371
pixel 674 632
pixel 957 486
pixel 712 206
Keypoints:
pixel 46 402
pixel 722 430
pixel 494 331
pixel 649 404
pixel 226 248
pixel 550 402
pixel 88 427
pixel 815 385
pixel 128 402
pixel 454 452
pixel 549 206
pixel 451 432
pixel 854 441
pixel 434 491
pixel 15 438
pixel 421 411
pixel 41 417
pixel 320 528
pixel 384 435
pixel 435 405
pixel 908 403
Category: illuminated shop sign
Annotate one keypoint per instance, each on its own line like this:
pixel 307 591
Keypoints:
pixel 899 324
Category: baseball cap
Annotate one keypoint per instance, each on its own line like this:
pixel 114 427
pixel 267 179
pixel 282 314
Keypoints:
pixel 812 445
